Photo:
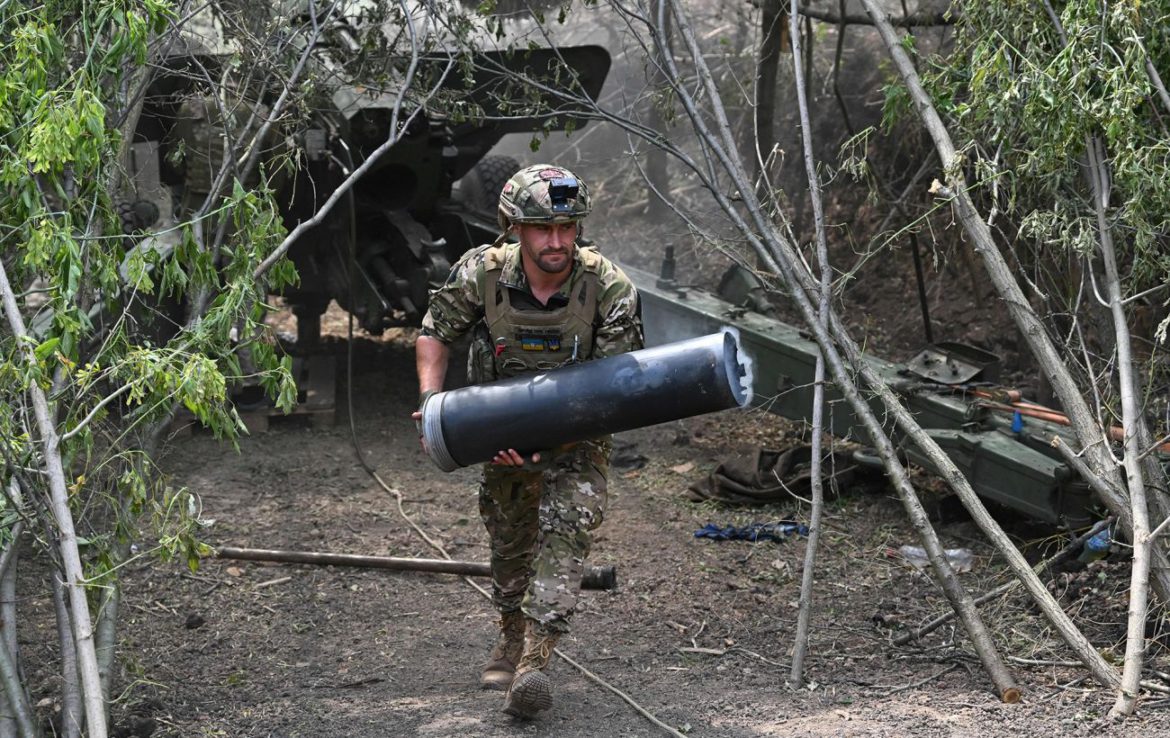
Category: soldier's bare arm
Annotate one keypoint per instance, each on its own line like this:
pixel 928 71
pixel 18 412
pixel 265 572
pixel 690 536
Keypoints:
pixel 431 356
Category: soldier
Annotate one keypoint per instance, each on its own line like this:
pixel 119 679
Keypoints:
pixel 534 305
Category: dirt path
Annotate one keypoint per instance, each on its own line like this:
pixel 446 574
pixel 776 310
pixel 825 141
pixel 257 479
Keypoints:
pixel 246 649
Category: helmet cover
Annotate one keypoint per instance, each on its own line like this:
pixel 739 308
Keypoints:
pixel 543 193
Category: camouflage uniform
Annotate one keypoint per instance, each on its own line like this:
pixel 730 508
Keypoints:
pixel 539 517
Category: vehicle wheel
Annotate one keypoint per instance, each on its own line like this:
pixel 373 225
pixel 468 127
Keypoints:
pixel 481 186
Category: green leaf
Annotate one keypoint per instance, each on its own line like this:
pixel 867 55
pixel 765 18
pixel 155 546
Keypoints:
pixel 47 348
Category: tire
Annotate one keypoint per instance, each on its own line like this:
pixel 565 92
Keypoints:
pixel 482 185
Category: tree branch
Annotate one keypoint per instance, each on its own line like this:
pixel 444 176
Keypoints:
pixel 59 503
pixel 392 139
pixel 907 20
pixel 778 254
pixel 816 478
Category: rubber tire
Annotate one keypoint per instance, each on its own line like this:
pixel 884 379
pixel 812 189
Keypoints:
pixel 482 185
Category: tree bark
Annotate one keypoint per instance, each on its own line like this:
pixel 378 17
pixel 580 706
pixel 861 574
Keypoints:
pixel 59 505
pixel 107 628
pixel 18 704
pixel 816 478
pixel 72 710
pixel 8 717
pixel 1133 423
pixel 657 171
pixel 773 37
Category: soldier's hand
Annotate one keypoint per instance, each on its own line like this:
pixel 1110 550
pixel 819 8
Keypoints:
pixel 512 458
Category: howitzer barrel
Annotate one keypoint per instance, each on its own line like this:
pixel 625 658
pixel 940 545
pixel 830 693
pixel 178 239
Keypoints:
pixel 595 577
pixel 581 401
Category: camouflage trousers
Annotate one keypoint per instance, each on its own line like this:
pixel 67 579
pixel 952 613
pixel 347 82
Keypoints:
pixel 540 521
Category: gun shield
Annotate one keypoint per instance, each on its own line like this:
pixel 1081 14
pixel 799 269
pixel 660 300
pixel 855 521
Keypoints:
pixel 574 403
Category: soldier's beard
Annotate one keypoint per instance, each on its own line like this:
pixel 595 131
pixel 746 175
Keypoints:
pixel 554 261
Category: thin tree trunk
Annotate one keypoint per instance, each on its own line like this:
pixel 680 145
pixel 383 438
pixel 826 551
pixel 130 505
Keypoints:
pixel 107 628
pixel 8 720
pixel 791 268
pixel 8 564
pixel 59 505
pixel 17 717
pixel 71 706
pixel 816 478
pixel 18 703
pixel 657 172
pixel 1132 422
pixel 773 33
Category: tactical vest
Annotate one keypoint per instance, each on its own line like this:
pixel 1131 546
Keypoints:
pixel 525 341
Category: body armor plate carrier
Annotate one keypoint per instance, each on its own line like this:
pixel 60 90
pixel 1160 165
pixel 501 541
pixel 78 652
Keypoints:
pixel 525 341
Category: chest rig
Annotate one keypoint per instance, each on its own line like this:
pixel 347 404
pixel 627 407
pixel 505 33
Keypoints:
pixel 529 340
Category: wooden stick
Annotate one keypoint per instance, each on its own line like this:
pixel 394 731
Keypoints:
pixel 595 577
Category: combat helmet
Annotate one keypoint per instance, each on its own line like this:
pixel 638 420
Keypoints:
pixel 543 193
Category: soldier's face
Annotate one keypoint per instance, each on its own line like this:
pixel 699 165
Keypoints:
pixel 548 246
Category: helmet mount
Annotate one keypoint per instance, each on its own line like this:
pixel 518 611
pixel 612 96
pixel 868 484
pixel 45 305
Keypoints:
pixel 560 191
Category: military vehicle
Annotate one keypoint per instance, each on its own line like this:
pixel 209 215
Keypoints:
pixel 425 201
pixel 432 195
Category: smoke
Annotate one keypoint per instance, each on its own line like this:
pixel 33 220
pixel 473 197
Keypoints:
pixel 846 92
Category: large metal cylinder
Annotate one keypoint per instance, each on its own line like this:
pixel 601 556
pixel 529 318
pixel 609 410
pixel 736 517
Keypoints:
pixel 544 410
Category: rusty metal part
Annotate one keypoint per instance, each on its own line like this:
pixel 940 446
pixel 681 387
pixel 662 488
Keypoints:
pixel 595 577
pixel 949 362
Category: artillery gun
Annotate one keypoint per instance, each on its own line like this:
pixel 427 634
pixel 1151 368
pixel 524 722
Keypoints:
pixel 426 199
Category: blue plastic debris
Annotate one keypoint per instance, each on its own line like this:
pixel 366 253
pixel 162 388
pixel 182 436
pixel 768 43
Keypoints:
pixel 1017 422
pixel 1097 547
pixel 777 532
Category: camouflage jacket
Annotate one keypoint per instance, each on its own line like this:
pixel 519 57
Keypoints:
pixel 457 307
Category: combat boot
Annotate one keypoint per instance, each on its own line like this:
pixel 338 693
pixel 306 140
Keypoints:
pixel 531 689
pixel 501 665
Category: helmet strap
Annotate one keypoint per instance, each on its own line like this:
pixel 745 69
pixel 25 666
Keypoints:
pixel 504 235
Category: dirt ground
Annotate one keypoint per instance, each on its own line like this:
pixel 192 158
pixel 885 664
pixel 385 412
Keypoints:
pixel 698 633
